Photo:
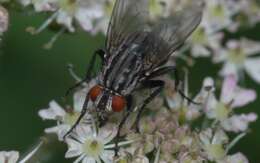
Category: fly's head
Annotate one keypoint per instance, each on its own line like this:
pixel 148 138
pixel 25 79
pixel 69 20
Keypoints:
pixel 106 102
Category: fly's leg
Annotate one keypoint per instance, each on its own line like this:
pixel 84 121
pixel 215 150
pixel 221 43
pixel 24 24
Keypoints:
pixel 165 70
pixel 89 71
pixel 157 85
pixel 83 112
pixel 129 110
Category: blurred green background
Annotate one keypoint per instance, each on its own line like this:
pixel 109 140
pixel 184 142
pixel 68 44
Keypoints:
pixel 30 77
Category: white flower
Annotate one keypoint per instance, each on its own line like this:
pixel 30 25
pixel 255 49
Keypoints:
pixel 232 96
pixel 91 146
pixel 190 159
pixel 236 158
pixel 85 12
pixel 238 57
pixel 65 118
pixel 202 42
pixel 141 159
pixel 188 111
pixel 66 12
pixel 213 144
pixel 9 157
pixel 40 5
pixel 247 12
pixel 102 23
pixel 238 123
pixel 4 20
pixel 217 15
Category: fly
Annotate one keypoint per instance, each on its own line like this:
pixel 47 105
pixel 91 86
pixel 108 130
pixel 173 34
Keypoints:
pixel 135 54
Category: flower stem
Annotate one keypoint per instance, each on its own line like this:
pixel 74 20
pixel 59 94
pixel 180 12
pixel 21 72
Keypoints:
pixel 32 152
pixel 234 142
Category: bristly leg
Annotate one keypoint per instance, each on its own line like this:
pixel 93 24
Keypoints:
pixel 168 69
pixel 86 79
pixel 157 85
pixel 177 82
pixel 89 70
pixel 129 110
pixel 82 114
pixel 150 84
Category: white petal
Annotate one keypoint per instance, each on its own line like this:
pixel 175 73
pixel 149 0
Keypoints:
pixel 203 96
pixel 11 156
pixel 239 123
pixel 4 20
pixel 220 55
pixel 80 95
pixel 88 160
pixel 252 67
pixel 65 19
pixel 100 26
pixel 83 131
pixel 79 99
pixel 200 51
pixel 79 159
pixel 107 156
pixel 2 158
pixel 208 87
pixel 107 133
pixel 25 2
pixel 237 158
pixel 220 137
pixel 74 148
pixel 44 5
pixel 228 88
pixel 229 69
pixel 60 130
pixel 141 159
pixel 243 97
pixel 54 111
pixel 250 47
pixel 86 16
pixel 206 136
pixel 210 106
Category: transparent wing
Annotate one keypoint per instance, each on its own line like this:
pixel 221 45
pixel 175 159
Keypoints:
pixel 128 19
pixel 170 33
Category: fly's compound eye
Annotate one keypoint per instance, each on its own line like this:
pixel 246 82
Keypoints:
pixel 118 103
pixel 95 92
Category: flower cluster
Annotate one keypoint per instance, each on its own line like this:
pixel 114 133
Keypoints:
pixel 167 130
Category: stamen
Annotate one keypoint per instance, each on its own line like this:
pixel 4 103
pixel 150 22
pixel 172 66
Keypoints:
pixel 45 24
pixel 49 44
pixel 95 129
pixel 73 74
pixel 181 55
pixel 186 86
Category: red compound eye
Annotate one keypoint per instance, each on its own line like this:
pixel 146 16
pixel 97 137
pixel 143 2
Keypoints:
pixel 94 92
pixel 118 103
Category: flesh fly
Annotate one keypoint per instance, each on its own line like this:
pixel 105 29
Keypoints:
pixel 136 52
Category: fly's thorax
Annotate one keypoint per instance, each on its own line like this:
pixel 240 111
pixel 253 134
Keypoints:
pixel 106 101
pixel 123 70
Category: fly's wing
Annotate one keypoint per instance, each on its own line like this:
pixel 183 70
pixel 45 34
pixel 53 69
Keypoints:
pixel 128 18
pixel 170 33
